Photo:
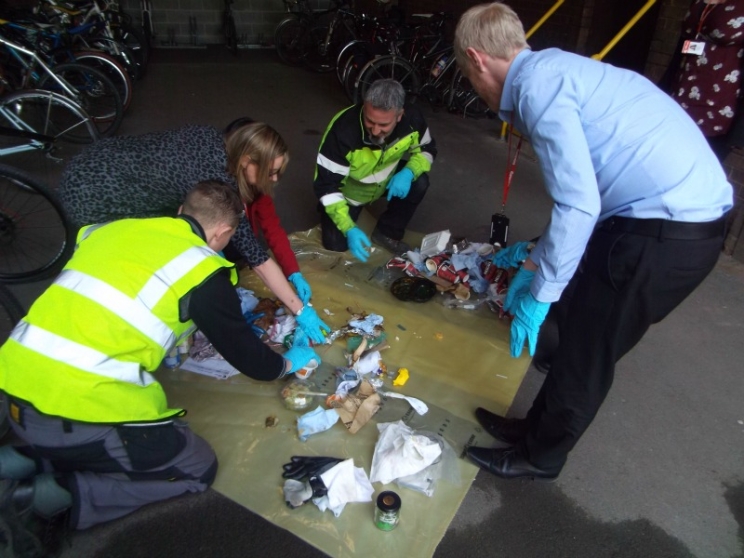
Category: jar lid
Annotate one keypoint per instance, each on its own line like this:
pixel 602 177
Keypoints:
pixel 388 501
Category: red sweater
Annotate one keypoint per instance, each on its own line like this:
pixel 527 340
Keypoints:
pixel 262 216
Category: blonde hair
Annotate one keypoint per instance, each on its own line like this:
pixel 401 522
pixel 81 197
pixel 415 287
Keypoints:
pixel 262 144
pixel 213 203
pixel 494 29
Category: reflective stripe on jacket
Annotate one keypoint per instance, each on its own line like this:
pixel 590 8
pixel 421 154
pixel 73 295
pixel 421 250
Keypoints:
pixel 87 347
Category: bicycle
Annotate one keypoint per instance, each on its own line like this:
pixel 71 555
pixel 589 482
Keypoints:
pixel 86 86
pixel 228 28
pixel 425 72
pixel 35 234
pixel 290 33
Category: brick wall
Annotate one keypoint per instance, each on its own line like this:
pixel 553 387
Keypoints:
pixel 187 22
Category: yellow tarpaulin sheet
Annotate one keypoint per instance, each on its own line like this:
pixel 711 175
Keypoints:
pixel 458 360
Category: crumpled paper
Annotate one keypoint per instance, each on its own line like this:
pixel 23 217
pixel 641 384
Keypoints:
pixel 368 324
pixel 357 408
pixel 400 452
pixel 345 484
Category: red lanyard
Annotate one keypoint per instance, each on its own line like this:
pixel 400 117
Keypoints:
pixel 511 164
pixel 706 12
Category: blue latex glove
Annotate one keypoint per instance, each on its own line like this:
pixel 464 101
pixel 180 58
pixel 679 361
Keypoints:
pixel 511 256
pixel 357 241
pixel 301 286
pixel 400 184
pixel 312 325
pixel 518 288
pixel 529 316
pixel 299 357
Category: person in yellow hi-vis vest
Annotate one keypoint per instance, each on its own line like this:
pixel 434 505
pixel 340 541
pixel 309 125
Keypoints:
pixel 101 440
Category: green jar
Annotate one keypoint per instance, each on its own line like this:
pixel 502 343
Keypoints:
pixel 387 513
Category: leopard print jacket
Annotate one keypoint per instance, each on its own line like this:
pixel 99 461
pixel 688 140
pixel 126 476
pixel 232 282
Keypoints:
pixel 148 176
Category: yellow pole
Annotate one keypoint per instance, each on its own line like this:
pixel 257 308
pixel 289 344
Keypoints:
pixel 544 18
pixel 624 30
pixel 529 33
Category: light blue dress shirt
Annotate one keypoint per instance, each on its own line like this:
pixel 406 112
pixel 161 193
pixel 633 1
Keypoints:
pixel 609 142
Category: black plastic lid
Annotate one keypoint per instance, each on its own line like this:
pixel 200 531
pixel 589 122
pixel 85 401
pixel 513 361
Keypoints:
pixel 388 501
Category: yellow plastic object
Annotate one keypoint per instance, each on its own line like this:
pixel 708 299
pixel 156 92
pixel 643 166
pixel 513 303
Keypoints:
pixel 401 378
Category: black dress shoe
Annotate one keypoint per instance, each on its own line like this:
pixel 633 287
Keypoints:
pixel 510 431
pixel 509 463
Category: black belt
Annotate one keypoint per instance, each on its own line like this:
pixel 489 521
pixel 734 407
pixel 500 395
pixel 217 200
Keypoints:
pixel 664 228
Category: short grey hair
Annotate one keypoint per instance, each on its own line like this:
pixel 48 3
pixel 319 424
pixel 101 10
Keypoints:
pixel 386 94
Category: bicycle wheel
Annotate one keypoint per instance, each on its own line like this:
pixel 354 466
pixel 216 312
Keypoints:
pixel 45 113
pixel 388 67
pixel 113 70
pixel 136 41
pixel 122 53
pixel 35 235
pixel 461 97
pixel 95 93
pixel 320 51
pixel 289 38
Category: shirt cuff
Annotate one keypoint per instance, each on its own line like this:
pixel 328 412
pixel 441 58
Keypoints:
pixel 545 291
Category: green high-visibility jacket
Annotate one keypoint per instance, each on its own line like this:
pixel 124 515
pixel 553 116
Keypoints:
pixel 88 346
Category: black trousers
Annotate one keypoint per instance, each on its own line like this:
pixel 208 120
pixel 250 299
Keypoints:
pixel 392 222
pixel 625 283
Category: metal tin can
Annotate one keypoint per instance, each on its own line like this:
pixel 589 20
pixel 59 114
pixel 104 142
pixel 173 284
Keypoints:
pixel 387 513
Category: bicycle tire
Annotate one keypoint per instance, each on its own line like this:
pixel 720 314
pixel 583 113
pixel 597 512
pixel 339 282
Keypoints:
pixel 289 37
pixel 135 40
pixel 389 67
pixel 319 57
pixel 462 98
pixel 122 53
pixel 96 94
pixel 46 113
pixel 147 28
pixel 348 51
pixel 113 69
pixel 36 236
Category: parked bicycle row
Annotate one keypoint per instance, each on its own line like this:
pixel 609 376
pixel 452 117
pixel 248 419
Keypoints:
pixel 361 49
pixel 87 52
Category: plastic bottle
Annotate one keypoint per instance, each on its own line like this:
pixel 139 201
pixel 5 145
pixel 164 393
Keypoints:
pixel 439 66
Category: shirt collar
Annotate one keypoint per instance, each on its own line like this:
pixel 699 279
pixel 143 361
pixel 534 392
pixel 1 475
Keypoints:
pixel 507 98
pixel 196 227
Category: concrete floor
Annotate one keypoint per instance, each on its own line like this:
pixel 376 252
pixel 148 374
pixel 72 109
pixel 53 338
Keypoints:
pixel 660 472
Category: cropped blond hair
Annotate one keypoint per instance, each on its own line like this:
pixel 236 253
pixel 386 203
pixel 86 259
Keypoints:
pixel 494 29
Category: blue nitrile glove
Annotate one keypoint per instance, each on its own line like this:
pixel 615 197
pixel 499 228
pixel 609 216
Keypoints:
pixel 529 316
pixel 519 286
pixel 311 324
pixel 299 357
pixel 511 256
pixel 400 184
pixel 357 241
pixel 301 286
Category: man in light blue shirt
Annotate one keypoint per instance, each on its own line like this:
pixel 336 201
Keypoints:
pixel 637 223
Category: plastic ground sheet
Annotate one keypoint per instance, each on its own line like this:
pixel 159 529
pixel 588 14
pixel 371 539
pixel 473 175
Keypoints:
pixel 458 360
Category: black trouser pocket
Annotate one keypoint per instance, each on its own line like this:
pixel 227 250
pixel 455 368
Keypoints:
pixel 151 446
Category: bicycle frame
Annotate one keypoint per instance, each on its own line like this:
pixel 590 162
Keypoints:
pixel 30 67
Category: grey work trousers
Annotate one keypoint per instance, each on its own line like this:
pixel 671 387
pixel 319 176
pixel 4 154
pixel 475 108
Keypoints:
pixel 113 470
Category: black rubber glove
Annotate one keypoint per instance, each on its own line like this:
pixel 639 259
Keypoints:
pixel 311 468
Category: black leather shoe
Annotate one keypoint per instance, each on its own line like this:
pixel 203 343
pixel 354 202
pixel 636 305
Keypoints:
pixel 391 245
pixel 509 463
pixel 510 431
